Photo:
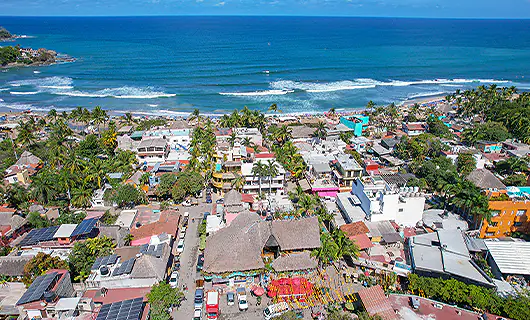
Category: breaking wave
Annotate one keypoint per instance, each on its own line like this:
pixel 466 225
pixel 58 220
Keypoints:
pixel 23 93
pixel 366 83
pixel 47 82
pixel 257 93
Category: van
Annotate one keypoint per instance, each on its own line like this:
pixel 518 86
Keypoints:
pixel 199 297
pixel 275 310
pixel 415 302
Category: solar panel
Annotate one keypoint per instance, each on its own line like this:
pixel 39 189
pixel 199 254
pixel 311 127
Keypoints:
pixel 104 261
pixel 37 288
pixel 84 227
pixel 124 268
pixel 152 250
pixel 38 235
pixel 123 310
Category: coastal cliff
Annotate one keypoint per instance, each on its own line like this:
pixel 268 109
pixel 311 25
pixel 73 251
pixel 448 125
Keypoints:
pixel 5 35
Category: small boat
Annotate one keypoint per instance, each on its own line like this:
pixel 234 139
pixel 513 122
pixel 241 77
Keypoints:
pixel 36 72
pixel 266 71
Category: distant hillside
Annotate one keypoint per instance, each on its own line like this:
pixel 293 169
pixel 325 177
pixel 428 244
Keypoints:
pixel 4 34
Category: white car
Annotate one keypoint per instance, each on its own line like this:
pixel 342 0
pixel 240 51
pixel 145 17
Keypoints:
pixel 180 246
pixel 197 314
pixel 174 279
pixel 242 302
pixel 186 203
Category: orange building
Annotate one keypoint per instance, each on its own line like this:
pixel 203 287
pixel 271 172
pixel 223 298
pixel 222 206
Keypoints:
pixel 509 215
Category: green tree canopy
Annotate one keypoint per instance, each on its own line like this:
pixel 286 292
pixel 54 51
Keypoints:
pixel 84 255
pixel 38 266
pixel 161 298
pixel 465 163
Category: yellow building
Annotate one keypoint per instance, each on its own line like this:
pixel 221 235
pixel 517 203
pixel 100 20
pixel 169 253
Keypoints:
pixel 510 214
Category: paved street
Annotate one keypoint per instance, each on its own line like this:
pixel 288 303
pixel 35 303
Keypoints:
pixel 188 259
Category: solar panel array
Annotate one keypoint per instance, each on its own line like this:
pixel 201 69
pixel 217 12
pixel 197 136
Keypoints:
pixel 38 235
pixel 125 268
pixel 104 261
pixel 84 227
pixel 123 310
pixel 37 288
pixel 152 250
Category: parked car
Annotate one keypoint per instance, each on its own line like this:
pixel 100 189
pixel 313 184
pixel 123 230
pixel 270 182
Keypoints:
pixel 174 279
pixel 208 200
pixel 186 203
pixel 176 266
pixel 230 298
pixel 180 246
pixel 220 201
pixel 197 314
pixel 242 299
pixel 183 229
pixel 200 262
pixel 199 298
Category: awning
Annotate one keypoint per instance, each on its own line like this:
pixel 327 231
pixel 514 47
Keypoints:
pixel 327 193
pixel 259 291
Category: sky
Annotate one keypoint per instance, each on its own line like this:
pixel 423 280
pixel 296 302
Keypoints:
pixel 370 8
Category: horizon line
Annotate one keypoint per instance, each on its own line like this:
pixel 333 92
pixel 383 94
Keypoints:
pixel 262 16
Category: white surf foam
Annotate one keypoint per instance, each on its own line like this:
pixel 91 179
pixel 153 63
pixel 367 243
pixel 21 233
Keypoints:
pixel 425 94
pixel 57 87
pixel 23 93
pixel 43 82
pixel 257 93
pixel 367 83
pixel 119 93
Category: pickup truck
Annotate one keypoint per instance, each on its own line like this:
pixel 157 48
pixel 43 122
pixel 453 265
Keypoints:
pixel 242 299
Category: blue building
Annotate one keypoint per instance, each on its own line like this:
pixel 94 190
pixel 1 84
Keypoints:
pixel 356 122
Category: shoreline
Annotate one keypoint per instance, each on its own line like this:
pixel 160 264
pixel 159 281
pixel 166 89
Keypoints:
pixel 180 115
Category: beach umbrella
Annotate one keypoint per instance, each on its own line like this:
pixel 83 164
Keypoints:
pixel 259 291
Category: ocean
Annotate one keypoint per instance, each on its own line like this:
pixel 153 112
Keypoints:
pixel 172 65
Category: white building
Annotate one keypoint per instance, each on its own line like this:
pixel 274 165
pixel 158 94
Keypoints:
pixel 252 182
pixel 380 201
pixel 252 133
pixel 152 150
pixel 177 139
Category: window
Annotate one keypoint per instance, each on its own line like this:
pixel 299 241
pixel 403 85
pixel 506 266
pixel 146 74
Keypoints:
pixel 521 212
pixel 517 223
pixel 400 210
pixel 495 213
pixel 490 234
pixel 494 224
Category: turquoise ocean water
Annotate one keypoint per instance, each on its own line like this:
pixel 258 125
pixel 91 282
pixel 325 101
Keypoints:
pixel 171 65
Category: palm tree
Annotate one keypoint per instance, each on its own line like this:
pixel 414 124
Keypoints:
pixel 320 132
pixel 247 142
pixel 128 239
pixel 128 118
pixel 238 182
pixel 99 117
pixel 282 134
pixel 195 116
pixel 43 187
pixel 271 171
pixel 232 139
pixel 345 246
pixel 81 197
pixel 52 114
pixel 274 108
pixel 258 170
pixel 25 136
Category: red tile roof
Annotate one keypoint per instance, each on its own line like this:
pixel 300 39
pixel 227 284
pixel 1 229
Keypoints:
pixel 168 223
pixel 375 302
pixel 265 155
pixel 354 229
pixel 116 295
pixel 362 241
pixel 248 198
pixel 6 209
